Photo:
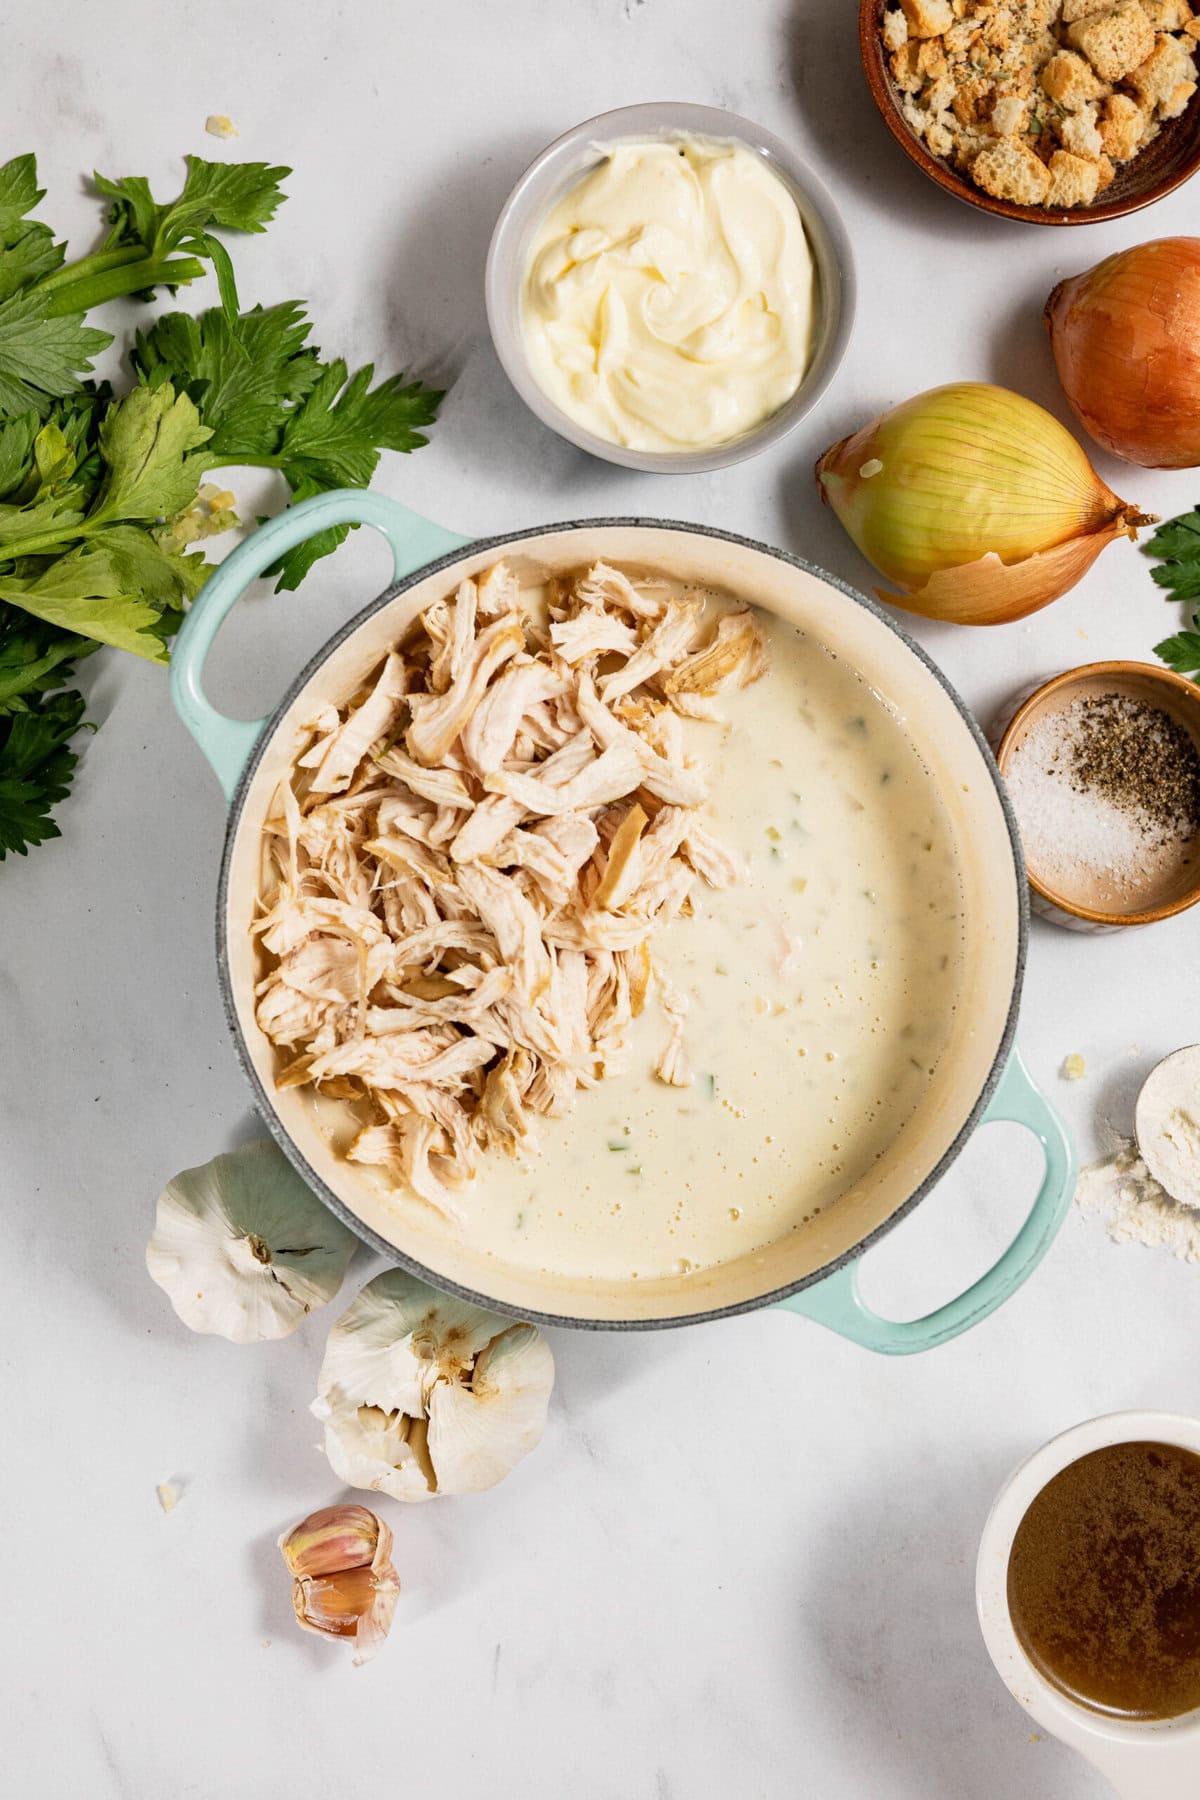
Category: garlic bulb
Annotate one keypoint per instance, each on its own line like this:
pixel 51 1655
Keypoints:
pixel 974 501
pixel 243 1249
pixel 422 1394
pixel 344 1583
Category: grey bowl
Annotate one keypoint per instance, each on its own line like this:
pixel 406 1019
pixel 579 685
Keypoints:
pixel 560 166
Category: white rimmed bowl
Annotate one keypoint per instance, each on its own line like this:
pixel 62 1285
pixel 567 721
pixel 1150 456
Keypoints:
pixel 561 165
pixel 1143 1759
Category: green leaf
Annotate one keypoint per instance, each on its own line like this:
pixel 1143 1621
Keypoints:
pixel 235 196
pixel 83 592
pixel 34 657
pixel 54 457
pixel 149 441
pixel 36 770
pixel 335 436
pixel 40 358
pixel 1178 539
pixel 1180 579
pixel 31 254
pixel 142 564
pixel 229 196
pixel 16 450
pixel 19 192
pixel 1181 653
pixel 133 214
pixel 53 516
pixel 295 563
pixel 243 382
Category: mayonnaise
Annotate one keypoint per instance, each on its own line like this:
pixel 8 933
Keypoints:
pixel 668 299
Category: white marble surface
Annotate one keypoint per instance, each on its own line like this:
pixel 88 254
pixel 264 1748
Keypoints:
pixel 741 1562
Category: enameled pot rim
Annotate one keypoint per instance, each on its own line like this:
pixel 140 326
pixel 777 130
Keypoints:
pixel 397 1257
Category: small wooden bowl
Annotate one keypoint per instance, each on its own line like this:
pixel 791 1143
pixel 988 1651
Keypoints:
pixel 1163 166
pixel 1180 700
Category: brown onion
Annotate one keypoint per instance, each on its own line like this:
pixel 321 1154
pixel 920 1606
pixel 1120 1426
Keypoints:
pixel 1126 338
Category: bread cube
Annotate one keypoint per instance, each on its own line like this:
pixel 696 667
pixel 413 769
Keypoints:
pixel 905 73
pixel 939 138
pixel 1176 101
pixel 1071 81
pixel 1114 42
pixel 1167 15
pixel 895 30
pixel 928 18
pixel 1122 127
pixel 1008 116
pixel 1078 134
pixel 1009 170
pixel 931 58
pixel 1108 174
pixel 1073 180
pixel 1074 10
pixel 972 104
pixel 1156 79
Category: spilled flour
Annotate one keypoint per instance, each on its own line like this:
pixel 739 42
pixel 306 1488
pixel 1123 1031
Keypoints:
pixel 1138 1210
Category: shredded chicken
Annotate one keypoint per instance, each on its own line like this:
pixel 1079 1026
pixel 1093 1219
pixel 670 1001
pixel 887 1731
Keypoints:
pixel 464 872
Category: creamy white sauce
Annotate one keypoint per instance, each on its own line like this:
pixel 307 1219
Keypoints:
pixel 821 991
pixel 668 301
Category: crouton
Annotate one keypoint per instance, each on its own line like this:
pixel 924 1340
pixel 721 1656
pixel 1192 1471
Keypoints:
pixel 940 138
pixel 1156 79
pixel 1192 29
pixel 1122 127
pixel 1078 134
pixel 1107 176
pixel 905 73
pixel 972 104
pixel 1010 171
pixel 931 58
pixel 1008 116
pixel 928 18
pixel 1073 180
pixel 1114 42
pixel 1176 101
pixel 1167 15
pixel 1071 81
pixel 1074 10
pixel 895 30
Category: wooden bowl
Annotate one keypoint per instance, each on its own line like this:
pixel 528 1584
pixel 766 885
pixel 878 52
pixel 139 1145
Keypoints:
pixel 1163 166
pixel 1171 892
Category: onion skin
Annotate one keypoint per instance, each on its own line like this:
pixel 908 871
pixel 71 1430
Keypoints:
pixel 1126 339
pixel 976 502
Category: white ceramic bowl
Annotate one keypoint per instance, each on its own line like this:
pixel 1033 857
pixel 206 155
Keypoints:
pixel 1155 1760
pixel 561 165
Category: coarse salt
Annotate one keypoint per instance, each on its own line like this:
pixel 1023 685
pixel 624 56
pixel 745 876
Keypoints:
pixel 1072 831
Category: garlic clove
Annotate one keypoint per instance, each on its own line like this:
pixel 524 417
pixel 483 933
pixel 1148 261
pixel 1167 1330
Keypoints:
pixel 336 1538
pixel 356 1599
pixel 422 1394
pixel 478 1434
pixel 243 1249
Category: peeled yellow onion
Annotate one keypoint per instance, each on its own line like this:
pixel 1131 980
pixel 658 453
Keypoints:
pixel 977 503
pixel 1126 339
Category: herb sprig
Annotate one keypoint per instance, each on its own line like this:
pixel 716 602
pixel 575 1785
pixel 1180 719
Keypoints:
pixel 1176 546
pixel 103 495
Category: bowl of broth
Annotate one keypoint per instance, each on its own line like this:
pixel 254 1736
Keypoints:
pixel 1088 1588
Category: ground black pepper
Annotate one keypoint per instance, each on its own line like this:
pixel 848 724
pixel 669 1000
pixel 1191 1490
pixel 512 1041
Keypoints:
pixel 1140 759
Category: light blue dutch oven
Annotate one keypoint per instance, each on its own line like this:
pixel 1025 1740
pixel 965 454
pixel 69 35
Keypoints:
pixel 814 1269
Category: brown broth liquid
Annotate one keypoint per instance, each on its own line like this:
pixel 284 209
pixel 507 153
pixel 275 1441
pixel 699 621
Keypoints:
pixel 1104 1581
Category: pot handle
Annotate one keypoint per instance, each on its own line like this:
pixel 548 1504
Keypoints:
pixel 837 1302
pixel 414 541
